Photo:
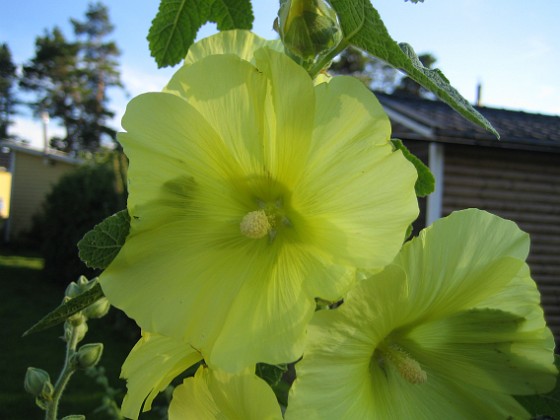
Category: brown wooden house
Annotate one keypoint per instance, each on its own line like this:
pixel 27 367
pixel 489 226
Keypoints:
pixel 517 177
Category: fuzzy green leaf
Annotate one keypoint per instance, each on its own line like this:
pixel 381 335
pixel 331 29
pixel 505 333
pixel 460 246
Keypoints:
pixel 231 14
pixel 101 245
pixel 425 183
pixel 364 29
pixel 67 309
pixel 544 406
pixel 177 22
pixel 272 374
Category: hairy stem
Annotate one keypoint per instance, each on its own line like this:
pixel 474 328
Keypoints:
pixel 65 374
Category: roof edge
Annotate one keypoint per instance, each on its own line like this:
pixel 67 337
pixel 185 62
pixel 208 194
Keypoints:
pixel 52 154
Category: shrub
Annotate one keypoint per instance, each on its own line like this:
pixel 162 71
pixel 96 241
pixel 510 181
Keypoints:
pixel 79 201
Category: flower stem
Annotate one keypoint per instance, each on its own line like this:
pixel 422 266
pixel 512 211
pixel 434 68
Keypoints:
pixel 65 374
pixel 324 61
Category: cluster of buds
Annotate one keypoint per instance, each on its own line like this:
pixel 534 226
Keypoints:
pixel 37 381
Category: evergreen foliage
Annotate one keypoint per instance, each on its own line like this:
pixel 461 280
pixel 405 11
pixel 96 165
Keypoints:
pixel 70 79
pixel 7 96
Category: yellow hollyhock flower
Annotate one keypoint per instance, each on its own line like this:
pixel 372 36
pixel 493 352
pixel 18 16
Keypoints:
pixel 213 395
pixel 156 360
pixel 452 329
pixel 150 367
pixel 251 193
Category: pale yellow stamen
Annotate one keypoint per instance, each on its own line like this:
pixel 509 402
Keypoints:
pixel 407 367
pixel 255 224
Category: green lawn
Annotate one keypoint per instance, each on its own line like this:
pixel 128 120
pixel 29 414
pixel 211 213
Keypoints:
pixel 25 298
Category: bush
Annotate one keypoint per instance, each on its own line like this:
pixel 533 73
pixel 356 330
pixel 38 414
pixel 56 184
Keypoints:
pixel 79 201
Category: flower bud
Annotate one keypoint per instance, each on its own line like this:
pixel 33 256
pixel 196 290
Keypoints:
pixel 97 309
pixel 80 331
pixel 77 319
pixel 77 288
pixel 72 290
pixel 89 355
pixel 38 383
pixel 308 28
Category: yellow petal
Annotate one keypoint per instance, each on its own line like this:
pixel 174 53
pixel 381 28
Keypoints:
pixel 216 395
pixel 150 367
pixel 239 42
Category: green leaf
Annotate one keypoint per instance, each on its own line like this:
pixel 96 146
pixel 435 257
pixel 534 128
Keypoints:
pixel 425 183
pixel 364 29
pixel 67 309
pixel 272 374
pixel 545 405
pixel 101 245
pixel 231 14
pixel 177 22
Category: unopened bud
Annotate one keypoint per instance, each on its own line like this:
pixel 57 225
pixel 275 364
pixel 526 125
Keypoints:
pixel 89 355
pixel 77 319
pixel 78 287
pixel 80 330
pixel 97 309
pixel 308 28
pixel 38 383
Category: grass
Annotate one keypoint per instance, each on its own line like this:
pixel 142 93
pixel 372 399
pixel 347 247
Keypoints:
pixel 25 298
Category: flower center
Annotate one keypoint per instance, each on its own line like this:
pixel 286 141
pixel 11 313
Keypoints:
pixel 255 224
pixel 265 221
pixel 407 367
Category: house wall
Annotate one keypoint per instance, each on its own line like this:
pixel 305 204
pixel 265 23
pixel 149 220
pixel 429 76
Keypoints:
pixel 521 186
pixel 32 179
pixel 5 189
pixel 421 150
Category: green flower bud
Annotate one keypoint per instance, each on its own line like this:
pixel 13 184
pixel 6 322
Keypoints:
pixel 74 417
pixel 89 355
pixel 77 288
pixel 72 291
pixel 81 330
pixel 308 28
pixel 77 319
pixel 38 383
pixel 97 309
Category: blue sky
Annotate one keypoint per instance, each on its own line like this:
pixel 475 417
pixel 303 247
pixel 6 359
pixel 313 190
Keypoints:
pixel 510 46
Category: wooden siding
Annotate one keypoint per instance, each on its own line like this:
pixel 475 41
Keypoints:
pixel 520 186
pixel 32 179
pixel 420 149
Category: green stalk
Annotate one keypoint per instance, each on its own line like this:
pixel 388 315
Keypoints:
pixel 65 374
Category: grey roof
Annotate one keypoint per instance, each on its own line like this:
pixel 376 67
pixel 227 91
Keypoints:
pixel 425 119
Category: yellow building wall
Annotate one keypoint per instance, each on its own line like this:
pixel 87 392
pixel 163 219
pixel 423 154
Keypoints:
pixel 5 188
pixel 32 179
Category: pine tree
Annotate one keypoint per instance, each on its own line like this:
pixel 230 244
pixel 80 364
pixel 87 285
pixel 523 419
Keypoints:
pixel 53 77
pixel 71 78
pixel 98 62
pixel 8 100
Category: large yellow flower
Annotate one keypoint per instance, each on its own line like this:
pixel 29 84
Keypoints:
pixel 211 395
pixel 452 329
pixel 251 193
pixel 156 360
